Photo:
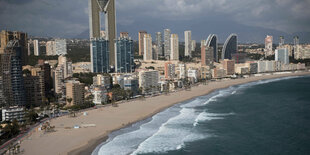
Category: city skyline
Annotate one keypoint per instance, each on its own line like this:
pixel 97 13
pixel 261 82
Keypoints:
pixel 284 19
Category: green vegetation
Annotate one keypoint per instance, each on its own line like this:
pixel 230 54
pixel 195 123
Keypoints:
pixel 31 116
pixel 80 106
pixel 255 56
pixel 78 53
pixel 86 78
pixel 10 130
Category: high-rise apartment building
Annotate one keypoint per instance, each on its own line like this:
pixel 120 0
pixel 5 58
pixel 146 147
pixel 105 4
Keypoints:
pixel 282 55
pixel 108 8
pixel 169 70
pixel 74 93
pixel 296 40
pixel 141 42
pixel 6 36
pixel 39 73
pixel 50 48
pixel 188 43
pixel 148 81
pixel 159 43
pixel 100 55
pixel 58 77
pixel 124 55
pixel 147 47
pixel 36 48
pixel 11 72
pixel 193 46
pixel 229 66
pixel 207 57
pixel 174 40
pixel 124 35
pixel 66 65
pixel 33 90
pixel 268 45
pixel 60 47
pixel 182 71
pixel 155 51
pixel 167 44
pixel 281 41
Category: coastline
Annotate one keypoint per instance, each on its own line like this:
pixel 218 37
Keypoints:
pixel 145 108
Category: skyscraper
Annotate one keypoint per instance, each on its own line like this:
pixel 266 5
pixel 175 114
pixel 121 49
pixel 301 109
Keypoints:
pixel 159 43
pixel 147 47
pixel 60 47
pixel 50 48
pixel 188 43
pixel 100 55
pixel 212 42
pixel 108 8
pixel 141 42
pixel 167 42
pixel 230 47
pixel 174 47
pixel 296 40
pixel 281 41
pixel 36 48
pixel 193 46
pixel 6 36
pixel 124 55
pixel 207 57
pixel 268 46
pixel 12 77
pixel 282 55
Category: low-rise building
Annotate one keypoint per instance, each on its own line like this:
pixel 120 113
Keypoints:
pixel 100 95
pixel 11 113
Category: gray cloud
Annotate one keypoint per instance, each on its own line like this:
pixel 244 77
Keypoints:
pixel 66 18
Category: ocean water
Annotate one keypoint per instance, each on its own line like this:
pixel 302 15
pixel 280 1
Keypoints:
pixel 263 117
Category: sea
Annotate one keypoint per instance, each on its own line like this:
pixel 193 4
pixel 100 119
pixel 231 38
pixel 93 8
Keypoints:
pixel 266 117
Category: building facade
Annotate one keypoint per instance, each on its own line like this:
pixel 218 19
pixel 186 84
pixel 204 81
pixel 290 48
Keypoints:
pixel 229 66
pixel 141 41
pixel 74 93
pixel 230 47
pixel 124 62
pixel 282 55
pixel 188 43
pixel 268 45
pixel 100 55
pixel 147 47
pixel 12 76
pixel 36 48
pixel 167 44
pixel 174 40
pixel 159 43
pixel 148 81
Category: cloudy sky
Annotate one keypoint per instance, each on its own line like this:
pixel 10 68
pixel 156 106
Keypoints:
pixel 250 19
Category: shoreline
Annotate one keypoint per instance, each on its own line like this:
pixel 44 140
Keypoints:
pixel 88 145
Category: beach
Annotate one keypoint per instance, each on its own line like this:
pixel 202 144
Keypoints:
pixel 67 140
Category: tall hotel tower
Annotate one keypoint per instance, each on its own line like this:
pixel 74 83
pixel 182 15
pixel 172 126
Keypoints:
pixel 98 54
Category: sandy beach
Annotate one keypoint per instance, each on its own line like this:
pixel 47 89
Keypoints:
pixel 67 140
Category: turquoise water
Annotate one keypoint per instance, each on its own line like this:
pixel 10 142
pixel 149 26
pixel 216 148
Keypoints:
pixel 264 117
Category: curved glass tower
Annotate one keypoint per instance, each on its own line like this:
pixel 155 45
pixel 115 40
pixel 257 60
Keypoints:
pixel 230 46
pixel 212 42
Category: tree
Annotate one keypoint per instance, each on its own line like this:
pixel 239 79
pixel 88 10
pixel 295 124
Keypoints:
pixel 31 116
